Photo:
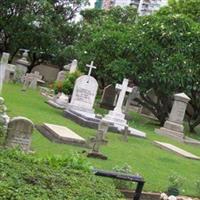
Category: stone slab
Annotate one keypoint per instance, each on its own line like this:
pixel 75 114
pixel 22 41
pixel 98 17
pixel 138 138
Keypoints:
pixel 55 105
pixel 176 150
pixel 61 134
pixel 136 133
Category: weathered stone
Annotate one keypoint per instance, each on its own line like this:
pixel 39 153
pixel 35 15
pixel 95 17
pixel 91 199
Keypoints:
pixel 19 133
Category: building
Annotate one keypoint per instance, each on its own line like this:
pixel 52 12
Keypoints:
pixel 144 7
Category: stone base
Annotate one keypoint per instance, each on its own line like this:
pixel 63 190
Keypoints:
pixel 174 126
pixel 79 109
pixel 117 118
pixel 61 134
pixel 97 155
pixel 170 133
pixel 55 105
pixel 136 133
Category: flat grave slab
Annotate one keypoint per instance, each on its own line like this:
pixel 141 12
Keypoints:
pixel 136 133
pixel 177 150
pixel 61 134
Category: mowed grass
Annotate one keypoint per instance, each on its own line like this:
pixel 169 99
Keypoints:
pixel 154 164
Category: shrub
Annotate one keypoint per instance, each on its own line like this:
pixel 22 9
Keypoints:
pixel 175 183
pixel 121 184
pixel 24 177
pixel 67 85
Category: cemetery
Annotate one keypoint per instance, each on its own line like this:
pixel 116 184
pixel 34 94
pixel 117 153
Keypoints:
pixel 100 114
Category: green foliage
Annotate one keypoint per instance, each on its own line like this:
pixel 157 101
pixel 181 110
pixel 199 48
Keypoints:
pixel 68 84
pixel 126 169
pixel 175 183
pixel 51 179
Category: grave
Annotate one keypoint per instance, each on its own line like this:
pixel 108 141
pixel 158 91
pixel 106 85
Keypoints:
pixel 61 134
pixel 60 101
pixel 109 97
pixel 31 80
pixel 173 127
pixel 22 65
pixel 3 65
pixel 10 73
pixel 98 141
pixel 61 76
pixel 178 151
pixel 4 119
pixel 19 133
pixel 84 94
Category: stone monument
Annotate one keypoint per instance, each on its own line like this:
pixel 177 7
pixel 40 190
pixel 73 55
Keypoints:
pixel 173 127
pixel 116 116
pixel 73 67
pixel 84 93
pixel 10 72
pixel 22 65
pixel 109 97
pixel 31 80
pixel 61 76
pixel 3 65
pixel 19 133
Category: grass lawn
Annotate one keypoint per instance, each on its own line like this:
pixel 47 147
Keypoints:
pixel 154 164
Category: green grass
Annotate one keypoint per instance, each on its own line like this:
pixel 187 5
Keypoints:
pixel 154 164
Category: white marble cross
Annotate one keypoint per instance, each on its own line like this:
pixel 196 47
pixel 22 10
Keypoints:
pixel 91 66
pixel 123 89
pixel 3 64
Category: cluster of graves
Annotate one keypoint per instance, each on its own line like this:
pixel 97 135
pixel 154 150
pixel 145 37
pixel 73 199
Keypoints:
pixel 80 108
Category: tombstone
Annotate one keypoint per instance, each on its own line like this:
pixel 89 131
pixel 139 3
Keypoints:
pixel 59 101
pixel 98 141
pixel 31 80
pixel 109 97
pixel 84 93
pixel 173 127
pixel 73 67
pixel 10 73
pixel 116 116
pixel 61 76
pixel 4 119
pixel 19 133
pixel 3 64
pixel 151 95
pixel 21 67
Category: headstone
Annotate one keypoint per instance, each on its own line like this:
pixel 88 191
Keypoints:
pixel 98 141
pixel 3 65
pixel 109 97
pixel 19 133
pixel 116 116
pixel 10 72
pixel 174 125
pixel 150 95
pixel 21 66
pixel 31 80
pixel 61 76
pixel 4 119
pixel 84 93
pixel 73 67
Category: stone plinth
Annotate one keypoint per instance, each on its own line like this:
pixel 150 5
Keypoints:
pixel 173 127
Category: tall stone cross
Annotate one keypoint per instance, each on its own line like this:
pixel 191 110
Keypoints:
pixel 3 64
pixel 123 89
pixel 91 66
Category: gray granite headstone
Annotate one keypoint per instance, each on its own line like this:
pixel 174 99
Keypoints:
pixel 19 133
pixel 108 100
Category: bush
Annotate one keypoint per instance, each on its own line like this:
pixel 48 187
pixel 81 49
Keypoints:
pixel 23 177
pixel 67 85
pixel 176 182
pixel 126 169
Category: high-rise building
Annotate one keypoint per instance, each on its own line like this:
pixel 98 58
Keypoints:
pixel 144 7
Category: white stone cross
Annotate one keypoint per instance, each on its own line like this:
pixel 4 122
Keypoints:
pixel 3 64
pixel 91 66
pixel 123 89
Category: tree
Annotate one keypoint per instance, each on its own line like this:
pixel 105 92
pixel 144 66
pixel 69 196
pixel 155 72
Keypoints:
pixel 44 27
pixel 103 39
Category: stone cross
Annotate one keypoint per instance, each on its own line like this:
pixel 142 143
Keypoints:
pixel 123 89
pixel 3 64
pixel 91 66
